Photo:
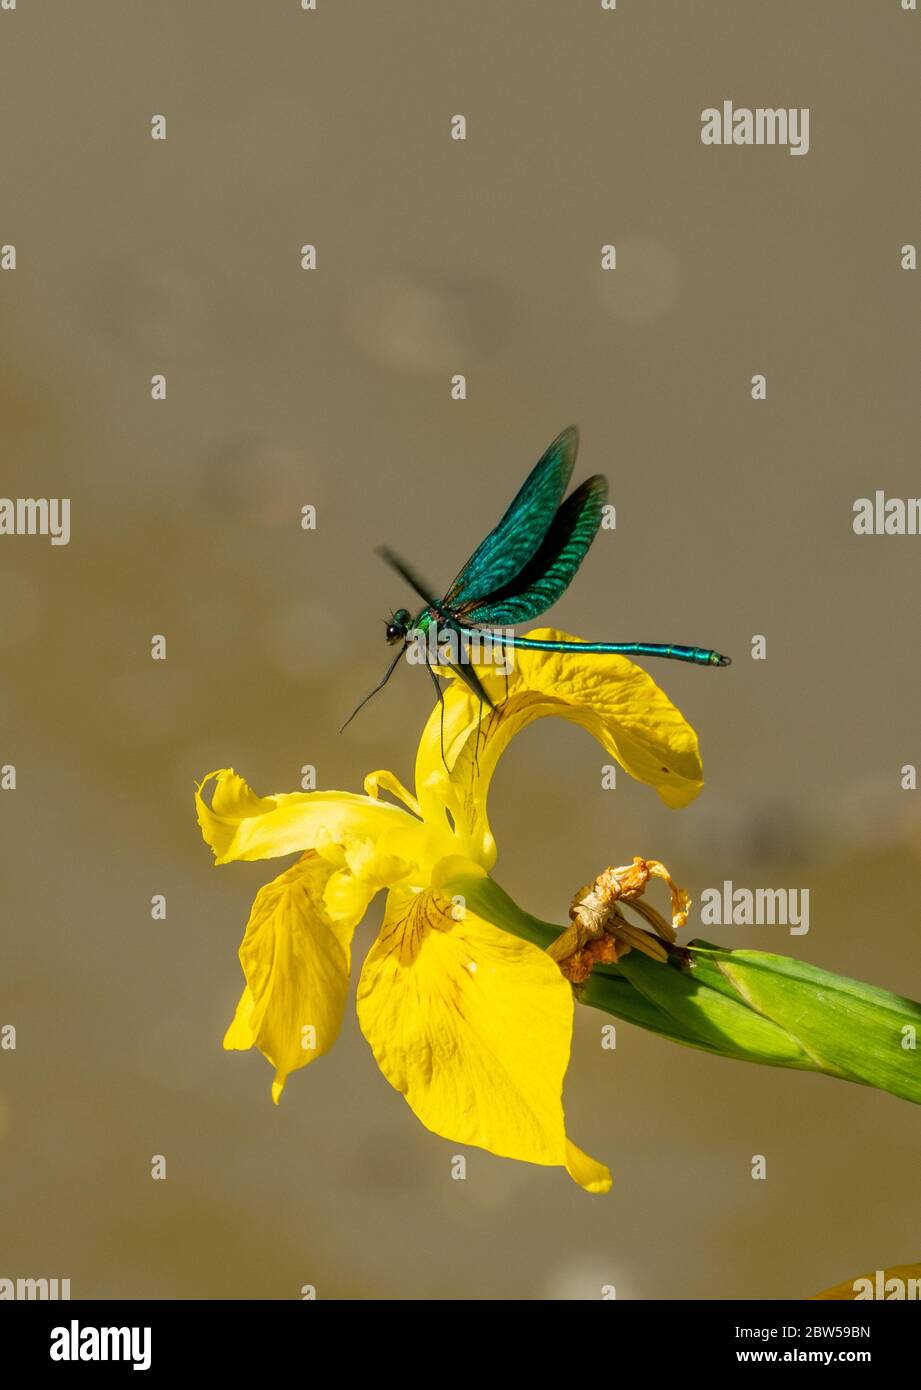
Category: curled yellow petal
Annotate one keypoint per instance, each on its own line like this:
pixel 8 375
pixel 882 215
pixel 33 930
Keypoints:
pixel 376 782
pixel 296 961
pixel 617 702
pixel 474 1028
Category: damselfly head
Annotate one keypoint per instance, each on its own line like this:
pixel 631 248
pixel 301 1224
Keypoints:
pixel 398 626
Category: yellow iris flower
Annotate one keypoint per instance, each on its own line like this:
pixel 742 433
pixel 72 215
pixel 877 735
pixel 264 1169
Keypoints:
pixel 472 1025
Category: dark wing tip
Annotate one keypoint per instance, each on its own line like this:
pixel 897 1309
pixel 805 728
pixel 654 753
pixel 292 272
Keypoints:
pixel 598 485
pixel 391 558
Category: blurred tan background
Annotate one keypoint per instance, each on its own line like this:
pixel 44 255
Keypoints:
pixel 332 388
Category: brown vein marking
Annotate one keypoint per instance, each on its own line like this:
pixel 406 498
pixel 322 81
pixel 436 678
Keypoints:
pixel 426 912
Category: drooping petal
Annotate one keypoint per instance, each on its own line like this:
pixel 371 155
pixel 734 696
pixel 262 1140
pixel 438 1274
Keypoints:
pixel 587 1172
pixel 474 1028
pixel 617 702
pixel 296 960
pixel 238 824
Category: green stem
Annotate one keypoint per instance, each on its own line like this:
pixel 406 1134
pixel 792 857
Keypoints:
pixel 748 1005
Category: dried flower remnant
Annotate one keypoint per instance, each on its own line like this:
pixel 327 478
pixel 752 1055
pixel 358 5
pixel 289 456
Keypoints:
pixel 600 934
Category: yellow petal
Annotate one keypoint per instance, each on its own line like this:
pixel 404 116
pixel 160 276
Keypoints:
pixel 617 702
pixel 587 1172
pixel 296 961
pixel 474 1028
pixel 238 824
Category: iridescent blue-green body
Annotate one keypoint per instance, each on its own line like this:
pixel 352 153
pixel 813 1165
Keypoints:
pixel 700 656
pixel 524 565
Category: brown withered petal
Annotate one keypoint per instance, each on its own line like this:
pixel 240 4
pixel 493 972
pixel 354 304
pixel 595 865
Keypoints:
pixel 599 932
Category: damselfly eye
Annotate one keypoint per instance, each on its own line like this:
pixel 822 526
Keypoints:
pixel 398 626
